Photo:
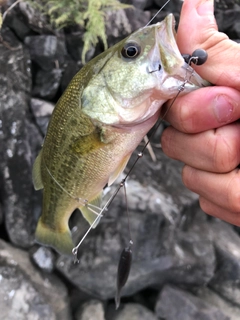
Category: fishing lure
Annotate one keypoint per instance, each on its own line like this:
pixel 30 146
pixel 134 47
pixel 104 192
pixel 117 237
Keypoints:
pixel 198 57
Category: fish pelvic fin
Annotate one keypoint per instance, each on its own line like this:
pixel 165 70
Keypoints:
pixel 36 173
pixel 90 211
pixel 61 241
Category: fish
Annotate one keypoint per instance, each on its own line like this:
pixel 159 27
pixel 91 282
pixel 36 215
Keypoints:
pixel 106 110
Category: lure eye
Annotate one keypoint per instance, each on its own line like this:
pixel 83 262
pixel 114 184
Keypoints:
pixel 131 50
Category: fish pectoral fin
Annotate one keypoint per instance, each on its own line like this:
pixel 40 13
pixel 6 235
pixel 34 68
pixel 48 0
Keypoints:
pixel 88 211
pixel 36 173
pixel 87 144
pixel 61 241
pixel 119 170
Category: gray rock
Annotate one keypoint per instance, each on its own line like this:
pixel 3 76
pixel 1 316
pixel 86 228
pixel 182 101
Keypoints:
pixel 137 18
pixel 41 108
pixel 74 43
pixel 19 140
pixel 178 304
pixel 226 278
pixel 1 210
pixel 46 83
pixel 27 294
pixel 42 111
pixel 225 4
pixel 121 23
pixel 142 4
pixel 172 6
pixel 131 311
pixel 46 50
pixel 91 310
pixel 161 252
pixel 226 307
pixel 15 20
pixel 36 21
pixel 44 258
pixel 228 20
pixel 70 69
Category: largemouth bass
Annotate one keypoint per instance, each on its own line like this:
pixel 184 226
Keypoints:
pixel 107 109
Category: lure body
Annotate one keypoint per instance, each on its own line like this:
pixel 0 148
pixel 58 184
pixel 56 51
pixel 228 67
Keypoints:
pixel 107 109
pixel 124 267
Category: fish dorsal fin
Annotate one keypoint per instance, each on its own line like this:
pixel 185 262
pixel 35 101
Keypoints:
pixel 36 173
pixel 87 212
pixel 119 170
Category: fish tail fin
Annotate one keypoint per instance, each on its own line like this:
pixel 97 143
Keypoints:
pixel 59 240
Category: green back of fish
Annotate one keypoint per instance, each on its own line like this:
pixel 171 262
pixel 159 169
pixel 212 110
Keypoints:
pixel 70 138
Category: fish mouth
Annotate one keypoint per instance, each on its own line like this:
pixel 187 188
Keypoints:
pixel 167 61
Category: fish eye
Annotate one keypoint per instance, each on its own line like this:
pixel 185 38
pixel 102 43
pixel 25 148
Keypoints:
pixel 131 50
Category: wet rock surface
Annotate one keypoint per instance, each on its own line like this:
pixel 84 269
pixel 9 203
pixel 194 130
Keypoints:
pixel 27 293
pixel 131 311
pixel 17 144
pixel 185 265
pixel 179 304
pixel 92 309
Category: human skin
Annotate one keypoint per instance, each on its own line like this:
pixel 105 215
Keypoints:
pixel 205 131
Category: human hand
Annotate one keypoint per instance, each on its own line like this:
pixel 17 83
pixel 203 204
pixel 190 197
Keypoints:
pixel 205 134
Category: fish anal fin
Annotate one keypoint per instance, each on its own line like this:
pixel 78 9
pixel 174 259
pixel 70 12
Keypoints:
pixel 36 172
pixel 87 212
pixel 61 241
pixel 119 170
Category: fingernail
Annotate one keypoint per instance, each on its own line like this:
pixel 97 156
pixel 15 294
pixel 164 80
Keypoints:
pixel 223 109
pixel 205 8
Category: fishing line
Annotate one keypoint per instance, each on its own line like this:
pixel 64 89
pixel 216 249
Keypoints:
pixel 157 13
pixel 82 201
pixel 192 58
pixel 198 57
pixel 122 183
pixel 126 201
pixel 61 187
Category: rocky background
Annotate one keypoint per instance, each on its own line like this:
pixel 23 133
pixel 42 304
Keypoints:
pixel 185 265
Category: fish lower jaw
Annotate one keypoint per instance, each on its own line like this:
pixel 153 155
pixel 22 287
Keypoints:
pixel 143 125
pixel 145 112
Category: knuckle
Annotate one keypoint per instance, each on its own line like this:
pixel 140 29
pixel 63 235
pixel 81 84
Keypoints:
pixel 203 205
pixel 166 141
pixel 237 219
pixel 187 177
pixel 225 158
pixel 186 118
pixel 233 193
pixel 234 201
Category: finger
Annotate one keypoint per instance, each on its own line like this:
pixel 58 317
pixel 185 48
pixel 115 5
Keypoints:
pixel 213 150
pixel 200 14
pixel 198 29
pixel 219 212
pixel 221 189
pixel 204 109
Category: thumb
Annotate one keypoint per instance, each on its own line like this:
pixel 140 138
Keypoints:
pixel 198 29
